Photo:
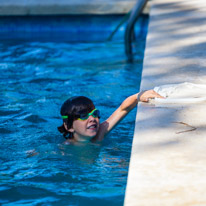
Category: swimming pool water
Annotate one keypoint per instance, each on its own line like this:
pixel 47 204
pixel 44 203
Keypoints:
pixel 36 77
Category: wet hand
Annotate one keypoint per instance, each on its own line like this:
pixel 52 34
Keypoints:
pixel 144 96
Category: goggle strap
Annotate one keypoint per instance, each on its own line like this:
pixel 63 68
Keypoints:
pixel 64 117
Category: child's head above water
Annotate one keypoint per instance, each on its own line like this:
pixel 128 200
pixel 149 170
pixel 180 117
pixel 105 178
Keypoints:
pixel 80 119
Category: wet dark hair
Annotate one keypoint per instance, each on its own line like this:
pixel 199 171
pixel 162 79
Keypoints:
pixel 72 107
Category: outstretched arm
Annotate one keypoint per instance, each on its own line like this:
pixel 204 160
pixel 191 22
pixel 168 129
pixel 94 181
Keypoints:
pixel 127 105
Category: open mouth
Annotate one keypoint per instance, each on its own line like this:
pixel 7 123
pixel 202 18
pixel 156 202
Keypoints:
pixel 93 126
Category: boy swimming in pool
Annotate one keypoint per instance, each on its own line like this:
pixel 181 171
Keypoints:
pixel 81 118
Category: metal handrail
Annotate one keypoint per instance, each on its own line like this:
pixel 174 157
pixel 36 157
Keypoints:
pixel 136 11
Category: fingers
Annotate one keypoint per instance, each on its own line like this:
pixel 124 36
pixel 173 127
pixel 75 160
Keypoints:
pixel 149 94
pixel 158 95
pixel 155 95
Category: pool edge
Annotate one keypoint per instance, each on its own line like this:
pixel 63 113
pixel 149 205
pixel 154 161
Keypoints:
pixel 163 161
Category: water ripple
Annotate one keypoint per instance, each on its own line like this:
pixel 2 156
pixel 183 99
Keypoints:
pixel 36 78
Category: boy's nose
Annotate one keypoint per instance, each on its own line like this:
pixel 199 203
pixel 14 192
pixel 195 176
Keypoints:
pixel 91 118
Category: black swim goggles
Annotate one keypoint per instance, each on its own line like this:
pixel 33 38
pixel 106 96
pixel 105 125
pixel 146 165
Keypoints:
pixel 95 113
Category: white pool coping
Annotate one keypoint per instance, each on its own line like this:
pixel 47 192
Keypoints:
pixel 64 7
pixel 168 159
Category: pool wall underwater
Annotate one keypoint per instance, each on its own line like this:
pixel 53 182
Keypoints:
pixel 72 28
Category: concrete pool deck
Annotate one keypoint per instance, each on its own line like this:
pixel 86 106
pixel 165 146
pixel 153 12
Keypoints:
pixel 168 160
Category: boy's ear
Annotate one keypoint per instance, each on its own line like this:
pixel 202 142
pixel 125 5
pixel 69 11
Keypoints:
pixel 70 129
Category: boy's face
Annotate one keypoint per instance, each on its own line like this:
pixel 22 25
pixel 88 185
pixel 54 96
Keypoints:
pixel 85 130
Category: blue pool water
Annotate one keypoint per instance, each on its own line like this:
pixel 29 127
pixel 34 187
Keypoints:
pixel 36 77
